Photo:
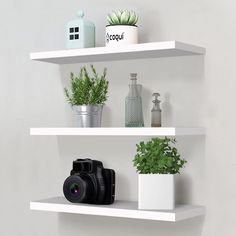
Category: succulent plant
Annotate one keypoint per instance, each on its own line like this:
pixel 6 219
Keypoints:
pixel 122 17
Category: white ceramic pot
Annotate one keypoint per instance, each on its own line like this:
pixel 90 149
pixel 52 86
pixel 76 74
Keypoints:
pixel 156 192
pixel 121 35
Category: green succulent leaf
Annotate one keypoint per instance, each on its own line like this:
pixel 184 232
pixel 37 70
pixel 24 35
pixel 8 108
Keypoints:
pixel 122 17
pixel 119 13
pixel 109 19
pixel 136 19
pixel 115 18
pixel 132 18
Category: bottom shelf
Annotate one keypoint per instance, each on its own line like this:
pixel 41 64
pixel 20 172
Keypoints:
pixel 123 209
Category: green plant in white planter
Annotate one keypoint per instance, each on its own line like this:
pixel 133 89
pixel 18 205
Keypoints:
pixel 87 95
pixel 157 161
pixel 121 28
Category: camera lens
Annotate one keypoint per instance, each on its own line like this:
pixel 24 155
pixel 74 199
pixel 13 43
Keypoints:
pixel 74 189
pixel 78 189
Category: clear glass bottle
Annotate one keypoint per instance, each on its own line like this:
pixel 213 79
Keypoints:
pixel 133 104
pixel 156 111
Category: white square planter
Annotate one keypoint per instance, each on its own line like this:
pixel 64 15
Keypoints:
pixel 156 192
pixel 117 35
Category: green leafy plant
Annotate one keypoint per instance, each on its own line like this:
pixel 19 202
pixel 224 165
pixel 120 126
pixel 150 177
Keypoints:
pixel 158 156
pixel 86 89
pixel 122 17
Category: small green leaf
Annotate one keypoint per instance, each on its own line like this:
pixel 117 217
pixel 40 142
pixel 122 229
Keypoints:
pixel 87 89
pixel 158 156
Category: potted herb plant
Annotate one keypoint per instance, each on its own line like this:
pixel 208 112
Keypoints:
pixel 121 28
pixel 87 95
pixel 157 162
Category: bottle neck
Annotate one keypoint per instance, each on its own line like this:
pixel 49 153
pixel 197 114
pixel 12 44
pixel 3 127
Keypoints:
pixel 133 88
pixel 156 106
pixel 133 82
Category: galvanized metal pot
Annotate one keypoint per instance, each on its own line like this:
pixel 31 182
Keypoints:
pixel 88 116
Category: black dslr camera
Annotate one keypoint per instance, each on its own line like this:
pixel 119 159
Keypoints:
pixel 89 182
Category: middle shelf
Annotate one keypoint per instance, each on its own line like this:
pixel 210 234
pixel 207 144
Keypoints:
pixel 123 209
pixel 162 131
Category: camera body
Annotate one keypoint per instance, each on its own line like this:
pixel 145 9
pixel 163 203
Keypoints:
pixel 90 183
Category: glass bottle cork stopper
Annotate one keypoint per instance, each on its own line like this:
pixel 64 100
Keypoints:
pixel 80 14
pixel 133 76
pixel 156 95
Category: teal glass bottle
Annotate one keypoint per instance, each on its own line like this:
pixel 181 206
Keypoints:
pixel 133 104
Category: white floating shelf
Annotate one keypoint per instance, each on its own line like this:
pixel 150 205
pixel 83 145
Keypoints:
pixel 123 209
pixel 134 51
pixel 163 131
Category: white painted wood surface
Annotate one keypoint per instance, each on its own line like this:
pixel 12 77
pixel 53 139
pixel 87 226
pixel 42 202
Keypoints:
pixel 126 52
pixel 123 209
pixel 162 131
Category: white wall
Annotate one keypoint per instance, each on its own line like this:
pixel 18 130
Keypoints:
pixel 200 92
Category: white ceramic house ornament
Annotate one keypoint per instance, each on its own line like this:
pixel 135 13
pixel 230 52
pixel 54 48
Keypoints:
pixel 80 33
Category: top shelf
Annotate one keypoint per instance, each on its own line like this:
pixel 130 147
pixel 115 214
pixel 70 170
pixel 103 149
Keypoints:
pixel 127 52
